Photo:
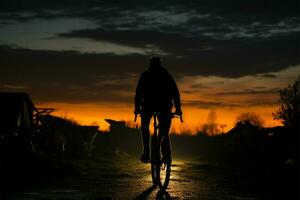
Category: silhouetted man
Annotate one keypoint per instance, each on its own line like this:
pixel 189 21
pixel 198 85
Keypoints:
pixel 156 92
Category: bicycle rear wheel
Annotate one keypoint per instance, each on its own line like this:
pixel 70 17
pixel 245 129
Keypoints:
pixel 154 173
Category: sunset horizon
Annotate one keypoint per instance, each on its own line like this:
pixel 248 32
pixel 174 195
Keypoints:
pixel 87 114
pixel 85 60
pixel 158 100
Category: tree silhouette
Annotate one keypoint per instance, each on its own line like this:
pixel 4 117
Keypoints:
pixel 289 111
pixel 211 127
pixel 251 117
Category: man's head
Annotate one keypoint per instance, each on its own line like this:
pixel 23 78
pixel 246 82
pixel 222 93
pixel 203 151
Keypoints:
pixel 154 62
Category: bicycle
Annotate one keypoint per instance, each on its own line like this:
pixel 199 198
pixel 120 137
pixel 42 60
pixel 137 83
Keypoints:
pixel 160 172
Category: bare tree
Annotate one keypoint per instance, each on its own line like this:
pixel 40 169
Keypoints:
pixel 211 128
pixel 252 118
pixel 222 126
pixel 289 111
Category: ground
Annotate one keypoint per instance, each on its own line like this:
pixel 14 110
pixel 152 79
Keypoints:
pixel 129 179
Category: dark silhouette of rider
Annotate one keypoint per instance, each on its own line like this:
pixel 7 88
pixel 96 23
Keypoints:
pixel 156 92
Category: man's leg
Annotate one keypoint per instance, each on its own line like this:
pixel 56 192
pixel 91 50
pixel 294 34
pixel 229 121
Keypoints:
pixel 145 121
pixel 164 127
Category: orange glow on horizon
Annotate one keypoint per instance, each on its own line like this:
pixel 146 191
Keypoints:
pixel 230 96
pixel 194 118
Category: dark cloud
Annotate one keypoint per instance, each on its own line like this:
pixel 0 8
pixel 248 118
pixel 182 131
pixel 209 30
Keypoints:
pixel 212 37
pixel 88 92
pixel 188 55
pixel 199 86
pixel 248 91
pixel 91 8
pixel 263 103
pixel 209 104
pixel 70 76
pixel 210 17
pixel 260 87
pixel 223 104
pixel 269 75
pixel 229 39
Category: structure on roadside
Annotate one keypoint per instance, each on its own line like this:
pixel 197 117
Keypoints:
pixel 25 129
pixel 123 137
pixel 16 123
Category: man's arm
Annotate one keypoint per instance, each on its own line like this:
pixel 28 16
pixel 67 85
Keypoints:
pixel 176 96
pixel 139 95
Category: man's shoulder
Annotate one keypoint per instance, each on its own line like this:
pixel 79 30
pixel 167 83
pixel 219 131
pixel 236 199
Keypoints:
pixel 144 73
pixel 166 72
pixel 162 71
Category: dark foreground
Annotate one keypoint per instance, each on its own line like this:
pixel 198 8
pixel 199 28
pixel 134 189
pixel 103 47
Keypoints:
pixel 129 179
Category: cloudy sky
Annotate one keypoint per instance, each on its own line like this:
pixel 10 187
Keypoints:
pixel 84 57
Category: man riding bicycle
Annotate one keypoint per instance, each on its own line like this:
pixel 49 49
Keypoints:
pixel 157 92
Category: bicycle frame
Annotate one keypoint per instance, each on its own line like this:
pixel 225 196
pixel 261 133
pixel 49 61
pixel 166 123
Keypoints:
pixel 154 139
pixel 156 165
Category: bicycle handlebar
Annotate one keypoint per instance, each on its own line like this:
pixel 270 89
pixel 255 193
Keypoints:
pixel 173 116
pixel 135 116
pixel 180 116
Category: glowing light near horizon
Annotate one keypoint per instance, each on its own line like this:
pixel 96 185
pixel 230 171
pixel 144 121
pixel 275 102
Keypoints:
pixel 194 118
pixel 228 109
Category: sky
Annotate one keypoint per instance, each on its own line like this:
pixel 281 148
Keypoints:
pixel 84 57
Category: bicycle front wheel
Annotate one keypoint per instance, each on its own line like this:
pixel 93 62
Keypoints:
pixel 163 175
